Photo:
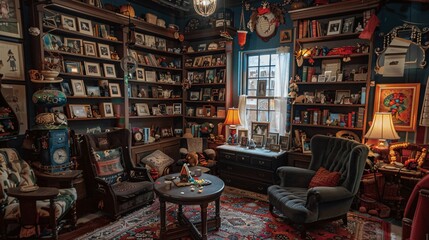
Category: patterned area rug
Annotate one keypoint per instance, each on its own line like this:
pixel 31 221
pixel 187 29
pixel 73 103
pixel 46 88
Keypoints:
pixel 242 218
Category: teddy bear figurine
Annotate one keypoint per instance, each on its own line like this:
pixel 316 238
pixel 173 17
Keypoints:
pixel 293 88
pixel 192 159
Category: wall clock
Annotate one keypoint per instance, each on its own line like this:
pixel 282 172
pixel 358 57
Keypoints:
pixel 266 26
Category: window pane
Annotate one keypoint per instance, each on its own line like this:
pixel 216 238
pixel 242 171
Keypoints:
pixel 265 60
pixel 264 71
pixel 272 72
pixel 251 93
pixel 252 84
pixel 252 116
pixel 253 72
pixel 262 104
pixel 251 103
pixel 274 59
pixel 253 61
pixel 263 116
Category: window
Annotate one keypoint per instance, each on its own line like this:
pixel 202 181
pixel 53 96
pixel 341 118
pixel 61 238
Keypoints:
pixel 265 77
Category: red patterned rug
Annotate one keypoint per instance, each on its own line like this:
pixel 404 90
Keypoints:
pixel 242 218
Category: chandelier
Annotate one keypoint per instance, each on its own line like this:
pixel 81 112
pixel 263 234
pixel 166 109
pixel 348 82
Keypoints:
pixel 205 7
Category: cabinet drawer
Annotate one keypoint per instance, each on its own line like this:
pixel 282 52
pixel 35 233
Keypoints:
pixel 226 156
pixel 244 183
pixel 261 163
pixel 243 159
pixel 248 173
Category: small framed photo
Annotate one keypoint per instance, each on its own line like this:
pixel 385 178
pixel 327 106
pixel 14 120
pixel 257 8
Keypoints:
pixel 305 145
pixel 202 47
pixel 150 76
pixel 162 108
pixel 286 36
pixel 156 111
pixel 321 78
pixel 74 67
pixel 339 77
pixel 78 87
pixel 258 139
pixel 169 110
pixel 114 90
pixel 242 133
pixel 106 109
pixel 275 147
pixel 199 112
pixel 177 108
pixel 74 44
pixel 65 88
pixel 109 70
pixel 284 142
pixel 139 38
pixel 260 128
pixel 347 100
pixel 274 138
pixel 194 96
pixel 85 26
pixel 89 48
pixel 334 27
pixel 104 51
pixel 92 69
pixel 348 25
pixel 79 111
pixel 262 88
pixel 93 91
pixel 68 23
pixel 340 95
pixel 197 62
pixel 140 74
pixel 142 109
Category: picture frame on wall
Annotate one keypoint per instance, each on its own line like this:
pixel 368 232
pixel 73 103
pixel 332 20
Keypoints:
pixel 348 25
pixel 85 26
pixel 334 27
pixel 92 69
pixel 15 96
pixel 68 23
pixel 78 87
pixel 12 26
pixel 407 95
pixel 106 109
pixel 11 55
pixel 142 109
pixel 104 51
pixel 114 90
pixel 286 36
pixel 260 128
pixel 140 74
pixel 73 67
pixel 109 70
pixel 90 48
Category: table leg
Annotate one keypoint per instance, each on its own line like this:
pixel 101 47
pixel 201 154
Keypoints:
pixel 163 220
pixel 52 218
pixel 204 220
pixel 180 210
pixel 217 217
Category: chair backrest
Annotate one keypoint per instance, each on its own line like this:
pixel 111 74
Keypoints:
pixel 341 155
pixel 194 144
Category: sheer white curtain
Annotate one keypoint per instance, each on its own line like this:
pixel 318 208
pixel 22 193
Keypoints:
pixel 278 122
pixel 242 103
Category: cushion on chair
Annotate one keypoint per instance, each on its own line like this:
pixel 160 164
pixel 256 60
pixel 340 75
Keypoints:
pixel 324 178
pixel 108 165
pixel 157 160
pixel 127 190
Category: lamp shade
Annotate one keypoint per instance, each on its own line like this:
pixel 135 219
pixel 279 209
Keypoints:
pixel 232 117
pixel 382 127
pixel 205 7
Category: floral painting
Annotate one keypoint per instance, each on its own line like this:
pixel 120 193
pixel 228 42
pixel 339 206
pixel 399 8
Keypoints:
pixel 402 101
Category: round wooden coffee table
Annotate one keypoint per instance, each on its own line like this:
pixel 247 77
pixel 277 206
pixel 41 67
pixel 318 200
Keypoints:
pixel 184 196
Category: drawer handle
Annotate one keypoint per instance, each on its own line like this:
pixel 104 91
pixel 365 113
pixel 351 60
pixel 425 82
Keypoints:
pixel 261 162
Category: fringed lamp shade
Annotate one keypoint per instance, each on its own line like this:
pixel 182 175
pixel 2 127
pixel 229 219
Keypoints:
pixel 205 7
pixel 382 128
pixel 232 119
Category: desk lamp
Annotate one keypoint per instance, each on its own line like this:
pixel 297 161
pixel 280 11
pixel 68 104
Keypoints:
pixel 233 119
pixel 382 129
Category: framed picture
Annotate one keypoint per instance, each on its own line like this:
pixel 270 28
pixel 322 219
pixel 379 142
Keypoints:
pixel 93 91
pixel 78 87
pixel 169 110
pixel 258 139
pixel 12 25
pixel 405 111
pixel 52 42
pixel 142 109
pixel 155 111
pixel 199 112
pixel 321 78
pixel 260 128
pixel 89 48
pixel 262 88
pixel 74 44
pixel 275 147
pixel 109 70
pixel 284 142
pixel 92 69
pixel 197 62
pixel 340 95
pixel 149 41
pixel 194 96
pixel 114 90
pixel 177 108
pixel 54 63
pixel 104 51
pixel 65 88
pixel 286 36
pixel 210 76
pixel 332 65
pixel 206 61
pixel 139 38
pixel 79 111
pixel 348 25
pixel 73 67
pixel 68 23
pixel 150 76
pixel 85 26
pixel 162 108
pixel 221 94
pixel 305 145
pixel 242 133
pixel 15 96
pixel 202 47
pixel 334 27
pixel 140 74
pixel 106 109
pixel 274 138
pixel 11 57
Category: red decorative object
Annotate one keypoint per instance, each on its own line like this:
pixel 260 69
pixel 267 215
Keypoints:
pixel 242 34
pixel 369 29
pixel 325 178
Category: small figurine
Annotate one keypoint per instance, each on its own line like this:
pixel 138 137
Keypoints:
pixel 252 144
pixel 359 27
pixel 293 88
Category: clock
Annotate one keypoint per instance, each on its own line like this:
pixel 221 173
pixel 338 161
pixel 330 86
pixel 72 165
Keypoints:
pixel 266 26
pixel 129 64
pixel 59 156
pixel 137 136
pixel 54 149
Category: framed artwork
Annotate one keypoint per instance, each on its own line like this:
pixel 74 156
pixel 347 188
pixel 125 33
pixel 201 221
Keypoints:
pixel 150 76
pixel 104 51
pixel 210 76
pixel 221 94
pixel 242 133
pixel 405 97
pixel 85 26
pixel 93 91
pixel 286 36
pixel 89 48
pixel 109 70
pixel 92 69
pixel 140 75
pixel 258 139
pixel 305 145
pixel 169 110
pixel 142 109
pixel 334 27
pixel 262 88
pixel 74 44
pixel 114 90
pixel 274 138
pixel 348 25
pixel 15 96
pixel 155 111
pixel 65 88
pixel 73 67
pixel 340 95
pixel 194 96
pixel 162 108
pixel 11 57
pixel 197 61
pixel 199 112
pixel 106 109
pixel 78 87
pixel 275 147
pixel 149 41
pixel 284 142
pixel 202 47
pixel 177 108
pixel 139 38
pixel 54 63
pixel 79 111
pixel 10 19
pixel 68 23
pixel 260 128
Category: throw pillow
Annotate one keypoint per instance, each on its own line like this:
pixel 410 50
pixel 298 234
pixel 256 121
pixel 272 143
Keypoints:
pixel 157 160
pixel 108 165
pixel 325 178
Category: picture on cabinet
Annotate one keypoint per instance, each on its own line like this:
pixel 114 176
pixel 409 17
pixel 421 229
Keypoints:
pixel 189 62
pixel 214 94
pixel 11 56
pixel 210 76
pixel 206 94
pixel 260 128
pixel 221 94
pixel 141 59
pixel 104 51
pixel 79 111
pixel 220 76
pixel 194 95
pixel 109 70
pixel 202 47
pixel 162 108
pixel 65 88
pixel 305 145
pixel 89 48
pixel 190 111
pixel 143 92
pixel 74 44
pixel 156 111
pixel 198 62
pixel 207 61
pixel 73 67
pixel 12 16
pixel 114 90
pixel 150 41
pixel 54 63
pixel 259 140
pixel 68 23
pixel 95 110
pixel 139 39
pixel 140 74
pixel 340 95
pixel 348 25
pixel 142 109
pixel 106 109
pixel 199 112
pixel 93 91
pixel 150 76
pixel 274 138
pixel 162 44
pixel 177 108
pixel 92 69
pixel 104 87
pixel 155 92
pixel 85 26
pixel 78 87
pixel 334 27
pixel 199 77
pixel 262 88
pixel 284 142
pixel 170 110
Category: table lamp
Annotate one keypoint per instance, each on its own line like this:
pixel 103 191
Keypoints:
pixel 232 119
pixel 382 129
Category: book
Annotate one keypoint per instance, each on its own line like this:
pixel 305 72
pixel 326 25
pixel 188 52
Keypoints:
pixel 304 73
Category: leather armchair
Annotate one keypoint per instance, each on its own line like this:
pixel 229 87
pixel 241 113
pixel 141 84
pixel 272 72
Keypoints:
pixel 414 223
pixel 303 205
pixel 115 183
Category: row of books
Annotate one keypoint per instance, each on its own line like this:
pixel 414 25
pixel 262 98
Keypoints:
pixel 317 116
pixel 205 111
pixel 150 59
pixel 307 73
pixel 309 28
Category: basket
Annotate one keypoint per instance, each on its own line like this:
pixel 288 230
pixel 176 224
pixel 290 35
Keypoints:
pixel 151 18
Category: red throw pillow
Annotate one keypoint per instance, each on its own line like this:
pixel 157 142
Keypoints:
pixel 324 178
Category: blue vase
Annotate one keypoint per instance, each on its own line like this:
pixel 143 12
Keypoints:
pixel 49 98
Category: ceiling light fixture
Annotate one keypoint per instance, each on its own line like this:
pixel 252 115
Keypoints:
pixel 205 8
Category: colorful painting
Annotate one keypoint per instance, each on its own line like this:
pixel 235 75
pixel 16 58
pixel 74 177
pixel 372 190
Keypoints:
pixel 402 101
pixel 10 19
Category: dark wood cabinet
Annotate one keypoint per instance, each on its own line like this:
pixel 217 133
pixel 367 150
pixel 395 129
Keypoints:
pixel 297 159
pixel 253 170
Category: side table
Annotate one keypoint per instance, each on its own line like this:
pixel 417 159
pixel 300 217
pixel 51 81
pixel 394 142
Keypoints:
pixel 28 209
